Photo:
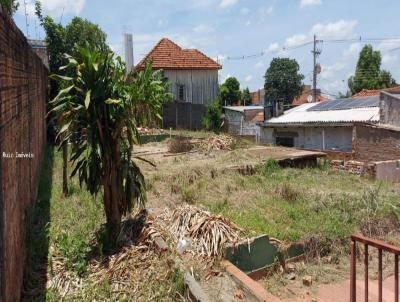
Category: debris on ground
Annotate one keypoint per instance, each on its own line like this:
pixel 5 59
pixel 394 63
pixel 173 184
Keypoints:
pixel 307 280
pixel 138 259
pixel 180 144
pixel 216 142
pixel 208 233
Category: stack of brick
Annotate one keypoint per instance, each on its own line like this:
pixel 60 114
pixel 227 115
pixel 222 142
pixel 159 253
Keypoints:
pixel 354 167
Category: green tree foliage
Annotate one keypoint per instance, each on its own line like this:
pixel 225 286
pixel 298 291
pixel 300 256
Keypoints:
pixel 230 91
pixel 368 73
pixel 10 5
pixel 246 97
pixel 283 80
pixel 212 118
pixel 99 112
pixel 61 40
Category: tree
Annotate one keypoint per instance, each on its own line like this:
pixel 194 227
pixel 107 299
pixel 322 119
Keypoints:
pixel 368 74
pixel 230 91
pixel 246 97
pixel 10 5
pixel 283 80
pixel 61 40
pixel 99 112
pixel 212 118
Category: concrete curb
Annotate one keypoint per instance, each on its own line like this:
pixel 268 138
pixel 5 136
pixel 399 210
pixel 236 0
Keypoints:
pixel 249 284
pixel 194 291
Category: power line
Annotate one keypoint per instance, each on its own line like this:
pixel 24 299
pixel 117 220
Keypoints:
pixel 349 40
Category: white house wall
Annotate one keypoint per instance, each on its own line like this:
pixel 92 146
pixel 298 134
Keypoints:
pixel 319 138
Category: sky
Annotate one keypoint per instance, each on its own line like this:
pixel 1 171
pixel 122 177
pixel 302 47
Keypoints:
pixel 259 30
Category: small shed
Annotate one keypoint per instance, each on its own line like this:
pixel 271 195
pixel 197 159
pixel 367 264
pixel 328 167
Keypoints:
pixel 242 120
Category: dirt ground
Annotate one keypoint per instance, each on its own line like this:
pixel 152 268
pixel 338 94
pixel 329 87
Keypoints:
pixel 198 176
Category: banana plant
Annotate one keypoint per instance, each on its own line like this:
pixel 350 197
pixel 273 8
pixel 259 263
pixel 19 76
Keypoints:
pixel 99 111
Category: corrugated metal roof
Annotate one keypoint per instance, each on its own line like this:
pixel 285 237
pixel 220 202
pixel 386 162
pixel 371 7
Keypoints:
pixel 303 114
pixel 243 108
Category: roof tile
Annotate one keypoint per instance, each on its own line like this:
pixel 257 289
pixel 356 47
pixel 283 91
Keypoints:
pixel 168 55
pixel 369 92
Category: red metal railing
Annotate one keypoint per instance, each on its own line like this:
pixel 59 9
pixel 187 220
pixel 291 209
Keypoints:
pixel 381 246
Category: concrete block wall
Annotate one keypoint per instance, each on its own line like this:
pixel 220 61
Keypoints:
pixel 390 109
pixel 23 82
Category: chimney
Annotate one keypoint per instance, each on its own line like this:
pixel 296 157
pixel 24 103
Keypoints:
pixel 128 52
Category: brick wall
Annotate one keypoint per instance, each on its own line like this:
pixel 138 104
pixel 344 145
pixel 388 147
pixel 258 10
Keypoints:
pixel 375 143
pixel 23 81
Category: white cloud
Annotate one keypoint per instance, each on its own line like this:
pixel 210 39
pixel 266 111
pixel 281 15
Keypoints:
pixel 295 40
pixel 53 7
pixel 244 11
pixel 337 30
pixel 259 65
pixel 265 12
pixel 203 29
pixel 248 23
pixel 353 50
pixel 304 3
pixel 248 78
pixel 341 29
pixel 227 3
pixel 273 47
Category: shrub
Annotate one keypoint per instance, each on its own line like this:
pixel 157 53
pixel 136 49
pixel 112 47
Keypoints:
pixel 212 118
pixel 268 168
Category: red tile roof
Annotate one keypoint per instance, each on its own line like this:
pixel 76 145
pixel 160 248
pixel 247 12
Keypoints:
pixel 303 99
pixel 168 55
pixel 368 92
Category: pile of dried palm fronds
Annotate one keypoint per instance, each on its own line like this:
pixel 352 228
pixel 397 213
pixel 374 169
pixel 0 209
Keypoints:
pixel 208 233
pixel 216 142
pixel 124 270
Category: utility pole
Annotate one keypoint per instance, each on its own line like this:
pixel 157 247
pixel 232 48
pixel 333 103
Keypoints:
pixel 316 52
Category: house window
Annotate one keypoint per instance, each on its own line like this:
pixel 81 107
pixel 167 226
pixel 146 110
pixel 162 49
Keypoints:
pixel 181 92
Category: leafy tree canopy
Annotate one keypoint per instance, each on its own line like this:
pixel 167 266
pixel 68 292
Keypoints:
pixel 230 91
pixel 10 5
pixel 62 40
pixel 283 81
pixel 368 73
pixel 246 97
